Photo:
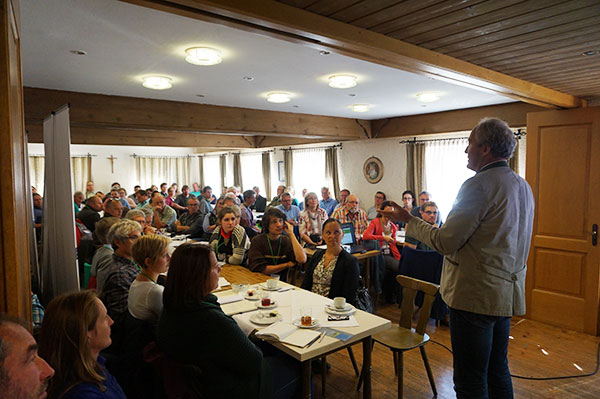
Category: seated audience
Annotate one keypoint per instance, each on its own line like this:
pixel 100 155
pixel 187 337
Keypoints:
pixel 123 196
pixel 122 271
pixel 292 212
pixel 103 257
pixel 193 330
pixel 261 202
pixel 170 198
pixel 163 190
pixel 196 190
pixel 211 221
pixel 429 213
pixel 89 190
pixel 151 253
pixel 175 189
pixel 344 193
pixel 207 195
pixel 229 240
pixel 408 200
pixel 23 373
pixel 142 198
pixel 311 220
pixel 138 215
pixel 114 194
pixel 247 218
pixel 133 196
pixel 272 252
pixel 372 211
pixel 113 208
pixel 332 272
pixel 180 203
pixel 292 195
pixel 78 199
pixel 75 329
pixel 90 215
pixel 277 199
pixel 327 203
pixel 351 213
pixel 162 214
pixel 190 222
pixel 424 197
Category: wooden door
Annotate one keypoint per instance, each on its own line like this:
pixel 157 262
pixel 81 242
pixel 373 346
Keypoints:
pixel 563 169
pixel 15 286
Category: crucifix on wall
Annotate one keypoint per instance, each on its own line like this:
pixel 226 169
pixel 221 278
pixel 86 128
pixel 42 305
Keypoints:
pixel 112 163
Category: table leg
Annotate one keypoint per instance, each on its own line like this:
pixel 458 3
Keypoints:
pixel 368 273
pixel 366 370
pixel 305 379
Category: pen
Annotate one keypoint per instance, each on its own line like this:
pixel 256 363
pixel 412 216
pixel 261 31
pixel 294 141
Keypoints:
pixel 322 336
pixel 312 342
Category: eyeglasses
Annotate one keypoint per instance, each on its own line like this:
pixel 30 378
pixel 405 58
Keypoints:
pixel 133 238
pixel 430 212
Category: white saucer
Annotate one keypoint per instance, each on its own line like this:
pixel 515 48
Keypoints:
pixel 314 324
pixel 254 297
pixel 266 288
pixel 271 306
pixel 347 309
pixel 256 319
pixel 336 312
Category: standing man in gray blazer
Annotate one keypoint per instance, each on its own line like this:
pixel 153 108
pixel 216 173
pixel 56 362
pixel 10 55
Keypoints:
pixel 485 241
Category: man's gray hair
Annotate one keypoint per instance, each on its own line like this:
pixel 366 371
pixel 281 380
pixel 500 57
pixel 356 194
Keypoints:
pixel 497 135
pixel 121 231
pixel 132 214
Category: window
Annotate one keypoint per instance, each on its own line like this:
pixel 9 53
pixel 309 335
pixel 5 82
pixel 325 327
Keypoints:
pixel 252 171
pixel 309 171
pixel 445 171
pixel 212 173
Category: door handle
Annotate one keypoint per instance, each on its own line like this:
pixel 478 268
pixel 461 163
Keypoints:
pixel 594 234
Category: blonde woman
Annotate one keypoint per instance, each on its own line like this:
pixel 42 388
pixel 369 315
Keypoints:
pixel 151 253
pixel 75 329
pixel 311 220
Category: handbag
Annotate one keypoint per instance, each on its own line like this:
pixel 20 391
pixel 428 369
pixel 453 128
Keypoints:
pixel 363 299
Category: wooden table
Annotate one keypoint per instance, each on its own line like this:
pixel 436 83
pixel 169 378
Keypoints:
pixel 369 324
pixel 360 256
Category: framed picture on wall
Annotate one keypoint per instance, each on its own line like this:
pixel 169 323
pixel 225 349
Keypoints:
pixel 373 170
pixel 280 171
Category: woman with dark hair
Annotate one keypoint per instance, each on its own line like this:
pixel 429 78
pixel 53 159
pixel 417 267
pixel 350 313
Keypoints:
pixel 229 240
pixel 272 252
pixel 409 200
pixel 332 272
pixel 75 329
pixel 193 329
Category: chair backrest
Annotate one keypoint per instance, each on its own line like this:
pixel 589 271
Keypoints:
pixel 410 287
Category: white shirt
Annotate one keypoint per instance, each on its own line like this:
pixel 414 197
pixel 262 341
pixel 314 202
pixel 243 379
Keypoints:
pixel 145 300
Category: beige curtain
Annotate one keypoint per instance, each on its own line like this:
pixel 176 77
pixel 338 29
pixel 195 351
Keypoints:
pixel 223 169
pixel 36 172
pixel 82 172
pixel 201 171
pixel 288 165
pixel 415 167
pixel 237 170
pixel 331 170
pixel 266 170
pixel 155 170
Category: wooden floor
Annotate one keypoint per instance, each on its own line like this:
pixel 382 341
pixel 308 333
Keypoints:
pixel 535 350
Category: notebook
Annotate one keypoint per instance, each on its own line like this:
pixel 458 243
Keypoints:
pixel 288 334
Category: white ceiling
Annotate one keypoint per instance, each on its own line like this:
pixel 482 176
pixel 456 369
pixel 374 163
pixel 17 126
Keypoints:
pixel 124 42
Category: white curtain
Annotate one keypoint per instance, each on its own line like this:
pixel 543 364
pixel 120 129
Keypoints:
pixel 60 273
pixel 155 170
pixel 446 170
pixel 82 172
pixel 313 177
pixel 36 172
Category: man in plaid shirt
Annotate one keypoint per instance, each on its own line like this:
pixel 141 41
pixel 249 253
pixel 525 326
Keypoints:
pixel 351 213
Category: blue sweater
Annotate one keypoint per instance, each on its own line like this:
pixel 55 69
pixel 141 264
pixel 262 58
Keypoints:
pixel 86 390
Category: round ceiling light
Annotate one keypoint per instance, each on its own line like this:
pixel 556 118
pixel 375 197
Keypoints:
pixel 360 107
pixel 278 97
pixel 342 81
pixel 157 82
pixel 203 56
pixel 428 97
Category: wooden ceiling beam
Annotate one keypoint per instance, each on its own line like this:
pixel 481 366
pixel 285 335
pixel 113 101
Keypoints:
pixel 515 114
pixel 290 23
pixel 104 115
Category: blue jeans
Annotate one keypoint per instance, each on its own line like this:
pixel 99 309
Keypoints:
pixel 480 346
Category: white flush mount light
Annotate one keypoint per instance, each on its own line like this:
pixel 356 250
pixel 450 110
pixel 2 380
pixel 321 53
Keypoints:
pixel 360 107
pixel 157 82
pixel 278 97
pixel 203 56
pixel 428 97
pixel 342 81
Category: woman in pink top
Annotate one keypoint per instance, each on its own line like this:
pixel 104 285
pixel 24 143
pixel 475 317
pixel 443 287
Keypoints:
pixel 170 196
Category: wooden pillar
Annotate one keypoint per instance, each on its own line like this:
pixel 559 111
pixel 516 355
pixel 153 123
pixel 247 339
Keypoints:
pixel 15 285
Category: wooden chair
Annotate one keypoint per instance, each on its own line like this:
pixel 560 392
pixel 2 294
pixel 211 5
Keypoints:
pixel 402 337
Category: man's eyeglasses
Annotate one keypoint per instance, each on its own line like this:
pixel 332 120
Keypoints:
pixel 431 212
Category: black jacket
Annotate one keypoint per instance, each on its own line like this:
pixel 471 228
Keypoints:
pixel 89 217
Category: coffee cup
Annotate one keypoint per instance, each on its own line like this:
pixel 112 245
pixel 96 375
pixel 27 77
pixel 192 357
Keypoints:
pixel 339 302
pixel 271 284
